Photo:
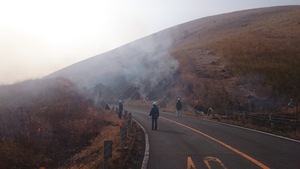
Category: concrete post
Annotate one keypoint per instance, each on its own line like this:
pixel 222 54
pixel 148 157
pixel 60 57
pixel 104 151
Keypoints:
pixel 125 114
pixel 107 152
pixel 123 133
pixel 271 121
pixel 245 117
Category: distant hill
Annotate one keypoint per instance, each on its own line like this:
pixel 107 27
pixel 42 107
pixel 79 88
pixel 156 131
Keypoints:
pixel 247 59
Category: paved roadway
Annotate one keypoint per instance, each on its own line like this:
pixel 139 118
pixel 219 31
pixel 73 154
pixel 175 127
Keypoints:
pixel 185 142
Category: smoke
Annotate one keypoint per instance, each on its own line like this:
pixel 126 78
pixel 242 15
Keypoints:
pixel 149 63
pixel 143 64
pixel 34 92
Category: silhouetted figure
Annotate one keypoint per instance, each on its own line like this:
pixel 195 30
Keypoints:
pixel 155 114
pixel 107 107
pixel 178 107
pixel 210 112
pixel 199 109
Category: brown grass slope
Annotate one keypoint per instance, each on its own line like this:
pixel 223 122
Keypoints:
pixel 51 123
pixel 240 56
pixel 45 122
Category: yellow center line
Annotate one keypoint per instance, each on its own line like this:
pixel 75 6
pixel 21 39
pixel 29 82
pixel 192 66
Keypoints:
pixel 223 144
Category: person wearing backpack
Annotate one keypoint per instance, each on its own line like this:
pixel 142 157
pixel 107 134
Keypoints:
pixel 155 114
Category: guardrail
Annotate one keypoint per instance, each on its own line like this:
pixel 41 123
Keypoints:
pixel 270 120
pixel 100 158
pixel 108 146
pixel 119 146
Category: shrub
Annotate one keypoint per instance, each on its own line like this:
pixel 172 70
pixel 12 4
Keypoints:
pixel 50 121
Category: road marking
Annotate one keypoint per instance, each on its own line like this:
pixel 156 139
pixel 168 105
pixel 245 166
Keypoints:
pixel 213 159
pixel 190 163
pixel 146 153
pixel 253 130
pixel 223 144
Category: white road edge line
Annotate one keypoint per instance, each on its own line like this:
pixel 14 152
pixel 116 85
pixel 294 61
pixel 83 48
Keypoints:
pixel 146 153
pixel 253 130
pixel 245 128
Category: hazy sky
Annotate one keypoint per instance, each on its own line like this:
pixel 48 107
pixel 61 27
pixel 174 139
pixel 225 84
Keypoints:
pixel 38 37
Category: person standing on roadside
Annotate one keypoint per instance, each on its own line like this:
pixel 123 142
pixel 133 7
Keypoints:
pixel 155 114
pixel 178 107
pixel 120 109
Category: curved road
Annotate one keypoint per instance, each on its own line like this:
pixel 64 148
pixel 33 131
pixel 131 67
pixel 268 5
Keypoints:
pixel 184 142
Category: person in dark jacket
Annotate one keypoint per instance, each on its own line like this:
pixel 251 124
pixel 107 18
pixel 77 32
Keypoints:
pixel 178 107
pixel 155 114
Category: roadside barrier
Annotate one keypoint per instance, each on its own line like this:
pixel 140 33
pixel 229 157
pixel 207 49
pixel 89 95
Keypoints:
pixel 270 120
pixel 126 130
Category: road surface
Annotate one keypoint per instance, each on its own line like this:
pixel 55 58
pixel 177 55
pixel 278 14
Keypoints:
pixel 185 142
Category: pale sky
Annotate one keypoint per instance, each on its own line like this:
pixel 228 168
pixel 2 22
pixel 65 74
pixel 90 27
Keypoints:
pixel 38 37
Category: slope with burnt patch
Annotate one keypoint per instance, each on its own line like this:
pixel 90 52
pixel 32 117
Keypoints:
pixel 240 57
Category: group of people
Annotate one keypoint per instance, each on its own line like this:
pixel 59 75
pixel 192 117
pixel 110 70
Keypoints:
pixel 154 112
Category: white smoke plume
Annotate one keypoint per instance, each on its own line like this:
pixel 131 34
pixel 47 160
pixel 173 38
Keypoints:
pixel 142 64
pixel 150 64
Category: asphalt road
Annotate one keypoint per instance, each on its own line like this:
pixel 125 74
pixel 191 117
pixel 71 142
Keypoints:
pixel 185 142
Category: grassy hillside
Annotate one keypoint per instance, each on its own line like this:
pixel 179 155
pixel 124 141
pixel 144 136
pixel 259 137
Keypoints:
pixel 268 46
pixel 244 57
pixel 241 61
pixel 253 53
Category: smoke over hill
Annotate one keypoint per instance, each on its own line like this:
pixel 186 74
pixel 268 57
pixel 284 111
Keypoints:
pixel 246 61
pixel 241 57
pixel 141 64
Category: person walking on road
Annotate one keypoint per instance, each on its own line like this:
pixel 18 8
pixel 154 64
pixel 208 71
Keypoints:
pixel 120 109
pixel 155 114
pixel 178 107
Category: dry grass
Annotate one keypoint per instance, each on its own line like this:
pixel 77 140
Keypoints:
pixel 222 58
pixel 92 156
pixel 236 56
pixel 49 122
pixel 269 47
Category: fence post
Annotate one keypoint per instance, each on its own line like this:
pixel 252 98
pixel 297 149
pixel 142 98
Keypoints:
pixel 125 114
pixel 270 119
pixel 245 116
pixel 123 133
pixel 107 152
pixel 129 121
pixel 297 113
